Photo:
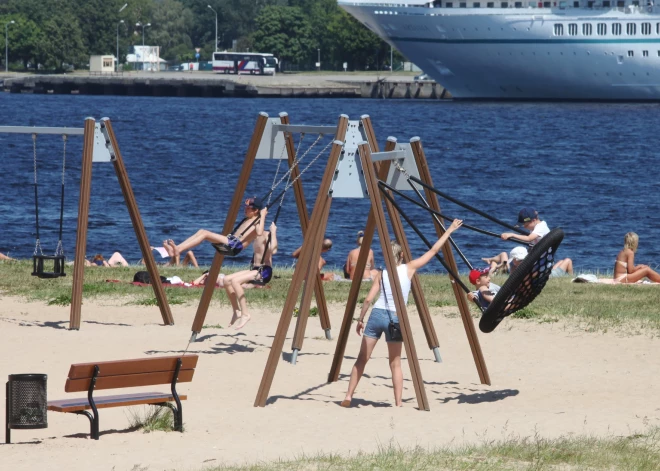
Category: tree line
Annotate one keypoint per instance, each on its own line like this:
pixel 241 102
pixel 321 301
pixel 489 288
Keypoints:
pixel 61 34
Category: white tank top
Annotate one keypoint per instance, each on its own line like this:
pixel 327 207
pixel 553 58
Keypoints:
pixel 402 271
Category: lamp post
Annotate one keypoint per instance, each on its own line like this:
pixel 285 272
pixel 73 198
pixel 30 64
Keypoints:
pixel 143 26
pixel 216 28
pixel 319 57
pixel 7 44
pixel 117 65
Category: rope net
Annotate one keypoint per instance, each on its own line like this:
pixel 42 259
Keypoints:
pixel 525 282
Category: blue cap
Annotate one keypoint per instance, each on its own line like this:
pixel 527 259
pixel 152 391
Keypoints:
pixel 255 203
pixel 526 215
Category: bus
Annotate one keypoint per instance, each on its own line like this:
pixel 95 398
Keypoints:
pixel 244 62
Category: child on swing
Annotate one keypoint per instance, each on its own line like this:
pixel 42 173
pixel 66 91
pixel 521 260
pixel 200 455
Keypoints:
pixel 486 290
pixel 242 236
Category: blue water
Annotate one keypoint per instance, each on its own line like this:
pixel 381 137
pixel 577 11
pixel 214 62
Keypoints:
pixel 589 168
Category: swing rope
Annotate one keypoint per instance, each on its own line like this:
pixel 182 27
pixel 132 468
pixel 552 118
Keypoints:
pixel 435 217
pixel 59 251
pixel 445 217
pixel 37 247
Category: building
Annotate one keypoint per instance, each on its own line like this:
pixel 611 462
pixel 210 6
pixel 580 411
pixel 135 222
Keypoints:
pixel 146 58
pixel 102 64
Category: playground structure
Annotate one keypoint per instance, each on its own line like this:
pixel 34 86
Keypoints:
pixel 99 145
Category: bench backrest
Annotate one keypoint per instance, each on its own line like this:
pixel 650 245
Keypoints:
pixel 130 373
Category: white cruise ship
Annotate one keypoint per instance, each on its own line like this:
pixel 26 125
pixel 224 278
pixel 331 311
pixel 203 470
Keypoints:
pixel 532 50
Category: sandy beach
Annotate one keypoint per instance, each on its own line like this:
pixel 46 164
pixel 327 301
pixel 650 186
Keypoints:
pixel 549 379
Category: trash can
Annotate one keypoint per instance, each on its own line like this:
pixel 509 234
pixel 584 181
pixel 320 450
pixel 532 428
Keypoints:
pixel 26 403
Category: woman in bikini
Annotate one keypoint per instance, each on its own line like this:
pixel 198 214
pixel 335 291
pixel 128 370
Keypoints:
pixel 625 270
pixel 351 261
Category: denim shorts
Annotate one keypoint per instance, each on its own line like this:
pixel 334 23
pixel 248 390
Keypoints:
pixel 378 323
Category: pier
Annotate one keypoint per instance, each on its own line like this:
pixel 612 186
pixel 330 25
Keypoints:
pixel 205 84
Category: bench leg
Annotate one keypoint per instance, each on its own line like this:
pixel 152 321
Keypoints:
pixel 93 423
pixel 177 413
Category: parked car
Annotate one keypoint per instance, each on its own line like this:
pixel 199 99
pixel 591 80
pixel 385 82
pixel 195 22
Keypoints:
pixel 422 78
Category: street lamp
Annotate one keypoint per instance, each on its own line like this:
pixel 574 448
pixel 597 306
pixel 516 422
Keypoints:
pixel 117 66
pixel 122 8
pixel 319 58
pixel 216 27
pixel 143 26
pixel 7 45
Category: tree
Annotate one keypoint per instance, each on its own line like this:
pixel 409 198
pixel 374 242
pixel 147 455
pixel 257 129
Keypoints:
pixel 284 32
pixel 61 46
pixel 172 24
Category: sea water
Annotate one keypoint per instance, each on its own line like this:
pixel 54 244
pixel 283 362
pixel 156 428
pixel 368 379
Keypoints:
pixel 588 168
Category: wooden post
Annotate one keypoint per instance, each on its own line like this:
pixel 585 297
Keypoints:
pixel 234 208
pixel 416 288
pixel 138 226
pixel 390 263
pixel 461 299
pixel 316 236
pixel 83 218
pixel 298 275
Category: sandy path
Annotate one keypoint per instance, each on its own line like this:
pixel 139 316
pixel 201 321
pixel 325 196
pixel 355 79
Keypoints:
pixel 547 379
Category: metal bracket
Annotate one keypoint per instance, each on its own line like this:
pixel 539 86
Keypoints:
pixel 348 180
pixel 394 177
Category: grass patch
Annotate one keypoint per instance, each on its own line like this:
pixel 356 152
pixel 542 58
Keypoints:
pixel 152 419
pixel 639 452
pixel 592 306
pixel 212 326
pixel 61 300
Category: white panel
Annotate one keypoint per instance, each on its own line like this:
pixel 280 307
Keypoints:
pixel 100 152
pixel 395 178
pixel 272 144
pixel 348 180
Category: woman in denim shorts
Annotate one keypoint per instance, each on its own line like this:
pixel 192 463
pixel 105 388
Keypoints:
pixel 379 319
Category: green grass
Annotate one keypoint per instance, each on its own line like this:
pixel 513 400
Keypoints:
pixel 595 307
pixel 639 452
pixel 152 419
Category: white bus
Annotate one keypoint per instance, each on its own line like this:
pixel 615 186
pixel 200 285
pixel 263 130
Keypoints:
pixel 244 62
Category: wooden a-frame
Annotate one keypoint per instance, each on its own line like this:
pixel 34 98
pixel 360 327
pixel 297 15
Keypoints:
pixel 83 219
pixel 237 202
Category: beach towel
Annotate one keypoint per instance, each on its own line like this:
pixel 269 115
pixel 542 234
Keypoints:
pixel 588 278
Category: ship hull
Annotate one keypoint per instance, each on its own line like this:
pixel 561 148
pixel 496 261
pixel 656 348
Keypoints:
pixel 517 57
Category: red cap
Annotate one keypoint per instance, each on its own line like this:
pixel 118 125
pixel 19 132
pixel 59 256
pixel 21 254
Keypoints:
pixel 476 274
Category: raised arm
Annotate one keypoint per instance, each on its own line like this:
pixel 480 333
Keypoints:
pixel 524 238
pixel 262 221
pixel 418 263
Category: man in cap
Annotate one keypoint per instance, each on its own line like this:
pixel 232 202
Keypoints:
pixel 249 228
pixel 529 218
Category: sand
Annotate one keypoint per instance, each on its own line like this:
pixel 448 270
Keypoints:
pixel 548 379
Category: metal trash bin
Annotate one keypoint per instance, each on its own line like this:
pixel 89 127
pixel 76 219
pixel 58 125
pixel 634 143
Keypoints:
pixel 26 406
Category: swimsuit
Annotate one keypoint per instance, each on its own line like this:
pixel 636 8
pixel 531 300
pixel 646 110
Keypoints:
pixel 265 274
pixel 98 262
pixel 622 278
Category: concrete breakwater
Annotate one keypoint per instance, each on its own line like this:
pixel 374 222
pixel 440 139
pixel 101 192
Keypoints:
pixel 211 85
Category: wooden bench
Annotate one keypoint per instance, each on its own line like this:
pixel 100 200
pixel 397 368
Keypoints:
pixel 126 374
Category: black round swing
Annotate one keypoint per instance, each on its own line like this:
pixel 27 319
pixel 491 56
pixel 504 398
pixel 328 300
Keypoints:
pixel 522 286
pixel 39 260
pixel 524 283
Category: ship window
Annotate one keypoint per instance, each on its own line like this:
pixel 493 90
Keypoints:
pixel 616 29
pixel 449 5
pixel 572 29
pixel 645 53
pixel 559 29
pixel 505 5
pixel 518 4
pixel 546 5
pixel 462 5
pixel 602 29
pixel 576 4
pixel 586 29
pixel 646 28
pixel 476 5
pixel 490 5
pixel 631 53
pixel 635 3
pixel 620 4
pixel 590 4
pixel 657 28
pixel 606 4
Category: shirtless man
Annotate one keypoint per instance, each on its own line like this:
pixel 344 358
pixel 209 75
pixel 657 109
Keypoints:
pixel 352 258
pixel 245 233
pixel 261 270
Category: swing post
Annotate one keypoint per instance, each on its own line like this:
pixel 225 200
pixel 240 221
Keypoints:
pixel 232 215
pixel 461 298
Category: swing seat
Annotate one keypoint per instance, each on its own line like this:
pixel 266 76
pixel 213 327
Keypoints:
pixel 38 269
pixel 525 283
pixel 230 249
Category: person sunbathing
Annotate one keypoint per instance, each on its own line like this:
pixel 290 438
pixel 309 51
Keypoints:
pixel 98 261
pixel 243 236
pixel 625 270
pixel 5 257
pixel 261 272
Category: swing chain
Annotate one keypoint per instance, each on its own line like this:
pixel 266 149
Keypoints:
pixel 37 246
pixel 279 163
pixel 289 185
pixel 34 152
pixel 297 160
pixel 64 138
